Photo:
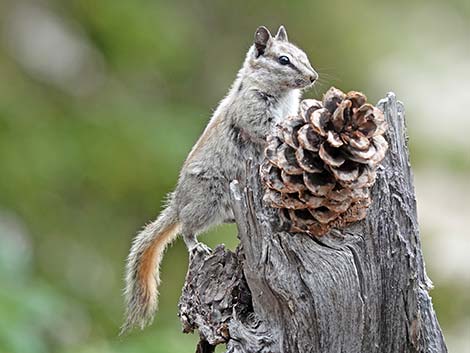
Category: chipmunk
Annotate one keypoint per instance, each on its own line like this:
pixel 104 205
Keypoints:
pixel 267 88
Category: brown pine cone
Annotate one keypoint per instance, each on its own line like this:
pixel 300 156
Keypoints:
pixel 320 165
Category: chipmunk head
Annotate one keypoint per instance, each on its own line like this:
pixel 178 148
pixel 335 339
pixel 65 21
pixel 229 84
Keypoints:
pixel 276 62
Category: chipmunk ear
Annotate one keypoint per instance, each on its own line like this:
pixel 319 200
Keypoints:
pixel 282 34
pixel 262 40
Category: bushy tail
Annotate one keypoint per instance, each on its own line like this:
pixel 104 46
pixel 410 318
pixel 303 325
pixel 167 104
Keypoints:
pixel 142 271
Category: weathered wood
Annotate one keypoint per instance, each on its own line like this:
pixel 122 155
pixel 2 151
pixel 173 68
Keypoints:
pixel 362 289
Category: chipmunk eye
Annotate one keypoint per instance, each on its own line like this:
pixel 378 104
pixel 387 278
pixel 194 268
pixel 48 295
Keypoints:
pixel 283 60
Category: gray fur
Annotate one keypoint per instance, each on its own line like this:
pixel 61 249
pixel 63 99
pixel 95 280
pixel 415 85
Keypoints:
pixel 263 93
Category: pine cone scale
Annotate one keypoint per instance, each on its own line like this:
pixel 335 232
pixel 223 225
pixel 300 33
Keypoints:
pixel 308 161
pixel 331 156
pixel 308 139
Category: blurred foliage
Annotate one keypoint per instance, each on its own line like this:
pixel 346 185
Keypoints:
pixel 82 169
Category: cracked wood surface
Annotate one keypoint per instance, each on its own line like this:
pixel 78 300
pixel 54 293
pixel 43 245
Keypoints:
pixel 361 289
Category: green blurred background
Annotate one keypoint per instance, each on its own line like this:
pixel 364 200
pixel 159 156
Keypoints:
pixel 100 101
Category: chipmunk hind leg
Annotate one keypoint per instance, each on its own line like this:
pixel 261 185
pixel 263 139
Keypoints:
pixel 194 222
pixel 197 218
pixel 202 202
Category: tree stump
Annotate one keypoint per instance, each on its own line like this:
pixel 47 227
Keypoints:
pixel 360 289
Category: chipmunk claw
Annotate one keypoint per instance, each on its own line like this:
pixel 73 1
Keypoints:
pixel 200 249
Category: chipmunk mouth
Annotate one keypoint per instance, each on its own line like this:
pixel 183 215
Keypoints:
pixel 304 83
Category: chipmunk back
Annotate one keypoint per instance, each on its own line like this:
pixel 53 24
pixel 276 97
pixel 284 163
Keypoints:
pixel 267 88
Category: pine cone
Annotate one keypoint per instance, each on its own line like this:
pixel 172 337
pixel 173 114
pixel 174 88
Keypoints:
pixel 320 165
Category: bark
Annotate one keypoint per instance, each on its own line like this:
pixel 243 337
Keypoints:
pixel 360 289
